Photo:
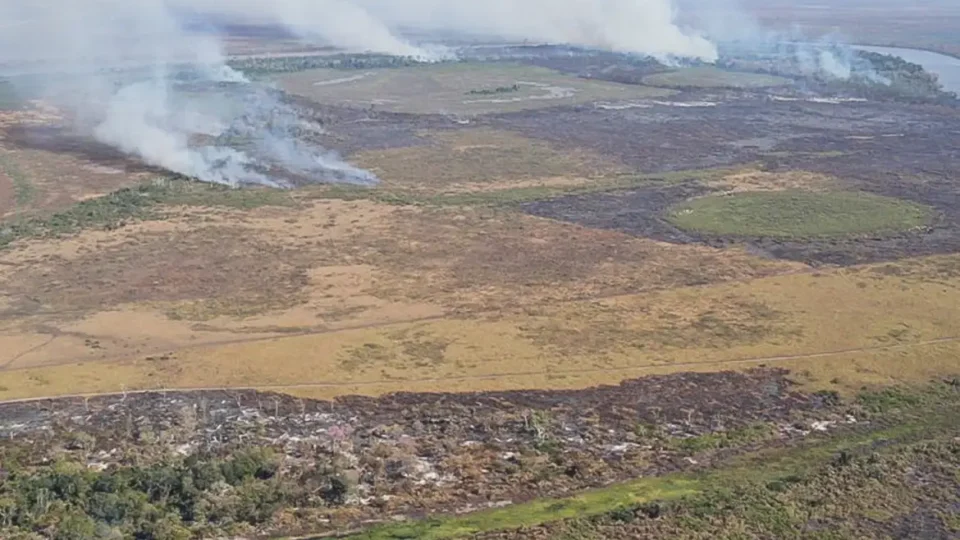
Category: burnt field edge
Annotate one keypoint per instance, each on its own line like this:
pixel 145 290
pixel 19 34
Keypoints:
pixel 920 422
pixel 297 466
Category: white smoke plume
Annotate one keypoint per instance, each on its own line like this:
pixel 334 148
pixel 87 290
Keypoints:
pixel 637 26
pixel 118 66
pixel 730 24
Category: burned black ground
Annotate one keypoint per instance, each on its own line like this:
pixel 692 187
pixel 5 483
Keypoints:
pixel 410 453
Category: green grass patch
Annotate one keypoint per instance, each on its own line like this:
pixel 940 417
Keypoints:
pixel 666 488
pixel 711 77
pixel 798 214
pixel 733 438
pixel 444 88
pixel 23 188
pixel 137 203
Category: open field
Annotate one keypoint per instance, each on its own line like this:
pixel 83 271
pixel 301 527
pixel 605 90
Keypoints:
pixel 798 214
pixel 710 77
pixel 610 292
pixel 457 88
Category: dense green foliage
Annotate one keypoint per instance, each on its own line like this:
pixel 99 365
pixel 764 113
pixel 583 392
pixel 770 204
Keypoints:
pixel 892 76
pixel 798 214
pixel 177 498
pixel 291 64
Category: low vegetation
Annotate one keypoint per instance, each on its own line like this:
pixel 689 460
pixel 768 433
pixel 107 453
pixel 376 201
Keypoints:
pixel 862 481
pixel 130 204
pixel 177 469
pixel 710 77
pixel 798 214
pixel 443 88
pixel 494 91
pixel 177 498
pixel 24 190
pixel 906 491
pixel 293 64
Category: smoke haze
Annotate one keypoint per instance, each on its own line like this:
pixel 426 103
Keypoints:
pixel 119 64
pixel 115 67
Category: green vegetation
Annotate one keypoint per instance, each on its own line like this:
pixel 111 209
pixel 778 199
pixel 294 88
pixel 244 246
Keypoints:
pixel 24 190
pixel 292 64
pixel 866 495
pixel 138 203
pixel 494 91
pixel 798 214
pixel 773 493
pixel 893 77
pixel 711 77
pixel 443 88
pixel 734 438
pixel 178 498
pixel 145 202
pixel 864 470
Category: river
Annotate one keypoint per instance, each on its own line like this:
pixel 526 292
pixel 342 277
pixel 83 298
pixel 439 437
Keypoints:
pixel 946 67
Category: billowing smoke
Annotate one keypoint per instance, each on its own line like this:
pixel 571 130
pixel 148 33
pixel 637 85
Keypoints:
pixel 132 75
pixel 637 26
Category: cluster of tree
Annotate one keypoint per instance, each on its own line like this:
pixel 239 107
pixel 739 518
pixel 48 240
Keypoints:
pixel 180 498
pixel 494 91
pixel 599 65
pixel 890 76
pixel 291 64
pixel 872 75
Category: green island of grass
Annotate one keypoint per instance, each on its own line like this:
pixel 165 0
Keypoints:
pixel 798 214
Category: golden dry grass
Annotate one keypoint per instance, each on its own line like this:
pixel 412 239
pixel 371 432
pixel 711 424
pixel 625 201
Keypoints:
pixel 46 181
pixel 323 297
pixel 839 329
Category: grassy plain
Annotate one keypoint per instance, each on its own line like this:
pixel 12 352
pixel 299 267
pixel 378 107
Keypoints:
pixel 446 88
pixel 440 285
pixel 711 77
pixel 838 329
pixel 798 214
